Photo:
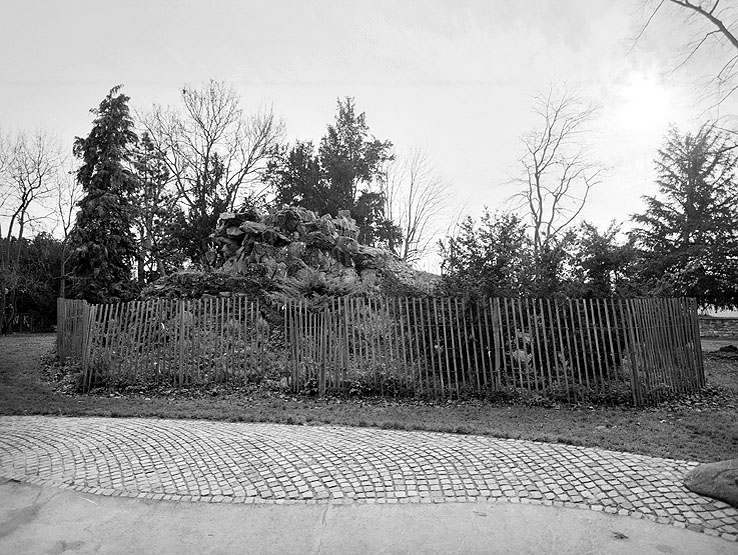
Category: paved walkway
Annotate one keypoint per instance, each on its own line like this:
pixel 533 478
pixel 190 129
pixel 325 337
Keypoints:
pixel 219 462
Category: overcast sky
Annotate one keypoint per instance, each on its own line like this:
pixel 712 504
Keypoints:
pixel 454 77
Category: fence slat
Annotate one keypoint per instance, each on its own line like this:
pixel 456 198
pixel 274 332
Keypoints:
pixel 428 345
pixel 519 328
pixel 454 324
pixel 496 344
pixel 579 341
pixel 545 342
pixel 535 346
pixel 562 353
pixel 589 317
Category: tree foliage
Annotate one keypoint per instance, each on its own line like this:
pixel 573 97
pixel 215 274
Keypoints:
pixel 343 174
pixel 36 286
pixel 157 213
pixel 102 241
pixel 496 258
pixel 601 265
pixel 214 154
pixel 493 258
pixel 688 233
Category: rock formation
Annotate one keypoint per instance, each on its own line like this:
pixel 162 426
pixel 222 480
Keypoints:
pixel 293 242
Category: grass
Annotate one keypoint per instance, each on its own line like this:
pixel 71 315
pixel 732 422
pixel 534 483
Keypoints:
pixel 701 427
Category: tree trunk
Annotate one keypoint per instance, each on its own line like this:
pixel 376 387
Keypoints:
pixel 160 268
pixel 63 269
pixel 141 258
pixel 3 301
pixel 13 308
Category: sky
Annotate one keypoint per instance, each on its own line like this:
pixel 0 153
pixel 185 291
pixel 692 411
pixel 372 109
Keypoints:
pixel 456 78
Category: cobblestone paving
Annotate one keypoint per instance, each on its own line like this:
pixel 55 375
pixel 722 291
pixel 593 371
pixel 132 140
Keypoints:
pixel 271 463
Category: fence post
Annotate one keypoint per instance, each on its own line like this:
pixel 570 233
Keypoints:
pixel 89 312
pixel 181 307
pixel 632 351
pixel 60 322
pixel 695 324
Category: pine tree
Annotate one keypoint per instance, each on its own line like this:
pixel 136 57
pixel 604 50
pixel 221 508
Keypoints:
pixel 689 233
pixel 492 258
pixel 102 240
pixel 342 175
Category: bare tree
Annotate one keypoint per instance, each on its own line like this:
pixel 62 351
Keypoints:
pixel 67 194
pixel 5 159
pixel 417 200
pixel 211 143
pixel 557 173
pixel 213 154
pixel 30 169
pixel 712 28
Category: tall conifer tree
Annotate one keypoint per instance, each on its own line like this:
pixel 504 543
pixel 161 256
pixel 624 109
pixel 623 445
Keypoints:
pixel 102 240
pixel 688 234
pixel 343 175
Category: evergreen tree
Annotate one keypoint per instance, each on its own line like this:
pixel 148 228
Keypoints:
pixel 343 175
pixel 494 258
pixel 102 241
pixel 600 265
pixel 688 235
pixel 214 154
pixel 191 229
pixel 156 224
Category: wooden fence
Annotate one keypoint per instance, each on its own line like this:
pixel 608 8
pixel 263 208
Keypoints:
pixel 72 327
pixel 168 341
pixel 642 350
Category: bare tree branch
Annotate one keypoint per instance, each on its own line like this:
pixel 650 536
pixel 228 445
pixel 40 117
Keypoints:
pixel 212 144
pixel 557 175
pixel 646 25
pixel 711 17
pixel 417 200
pixel 30 165
pixel 709 24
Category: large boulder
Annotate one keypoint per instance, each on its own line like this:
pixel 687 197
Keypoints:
pixel 718 480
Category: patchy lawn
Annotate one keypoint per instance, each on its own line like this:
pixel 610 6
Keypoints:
pixel 701 427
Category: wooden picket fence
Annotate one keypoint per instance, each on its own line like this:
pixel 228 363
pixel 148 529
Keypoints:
pixel 165 341
pixel 574 349
pixel 636 350
pixel 72 326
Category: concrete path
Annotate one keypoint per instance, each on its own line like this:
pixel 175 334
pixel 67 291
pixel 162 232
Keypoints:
pixel 35 520
pixel 316 487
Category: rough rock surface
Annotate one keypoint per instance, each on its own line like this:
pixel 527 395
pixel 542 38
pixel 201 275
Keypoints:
pixel 195 284
pixel 292 241
pixel 718 480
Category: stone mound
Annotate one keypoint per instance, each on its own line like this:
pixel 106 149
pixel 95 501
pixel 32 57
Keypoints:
pixel 293 242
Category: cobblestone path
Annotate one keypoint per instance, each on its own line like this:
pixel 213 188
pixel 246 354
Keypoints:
pixel 271 463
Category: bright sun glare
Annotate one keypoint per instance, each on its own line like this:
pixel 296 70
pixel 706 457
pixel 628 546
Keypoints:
pixel 646 106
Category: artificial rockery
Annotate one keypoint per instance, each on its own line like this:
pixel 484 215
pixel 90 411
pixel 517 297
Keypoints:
pixel 292 252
